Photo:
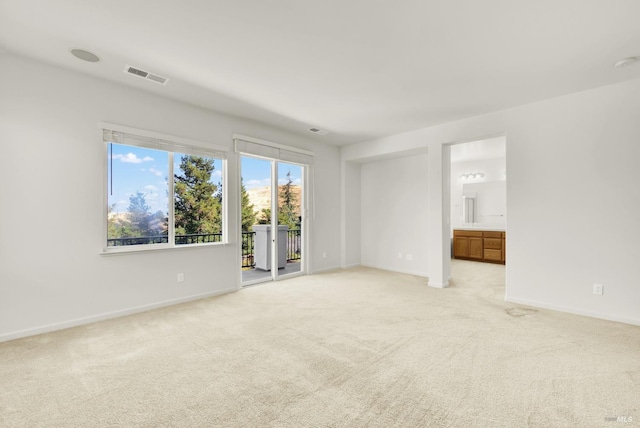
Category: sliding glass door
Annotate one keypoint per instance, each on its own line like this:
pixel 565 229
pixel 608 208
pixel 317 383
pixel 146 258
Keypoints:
pixel 272 219
pixel 289 218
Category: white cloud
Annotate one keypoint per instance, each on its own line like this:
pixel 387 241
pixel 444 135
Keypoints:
pixel 155 172
pixel 151 199
pixel 120 206
pixel 251 184
pixel 294 181
pixel 131 158
pixel 151 196
pixel 265 182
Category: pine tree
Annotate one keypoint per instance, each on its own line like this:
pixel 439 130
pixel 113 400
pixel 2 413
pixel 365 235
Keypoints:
pixel 197 209
pixel 139 215
pixel 248 213
pixel 288 205
pixel 265 216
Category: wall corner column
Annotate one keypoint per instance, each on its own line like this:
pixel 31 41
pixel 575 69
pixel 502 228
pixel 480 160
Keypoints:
pixel 439 259
pixel 350 242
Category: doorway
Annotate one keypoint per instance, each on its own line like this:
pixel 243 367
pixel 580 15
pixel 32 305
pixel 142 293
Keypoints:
pixel 272 201
pixel 477 207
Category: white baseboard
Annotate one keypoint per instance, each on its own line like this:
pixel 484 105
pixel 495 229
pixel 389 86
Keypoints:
pixel 570 310
pixel 325 269
pixel 391 269
pixel 438 284
pixel 352 265
pixel 105 316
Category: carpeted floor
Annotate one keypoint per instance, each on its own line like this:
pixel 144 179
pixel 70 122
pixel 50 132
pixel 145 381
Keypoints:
pixel 355 348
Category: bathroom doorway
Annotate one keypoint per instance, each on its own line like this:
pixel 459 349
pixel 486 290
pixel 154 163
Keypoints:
pixel 478 208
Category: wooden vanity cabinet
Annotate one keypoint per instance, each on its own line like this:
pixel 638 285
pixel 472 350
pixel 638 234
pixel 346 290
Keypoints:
pixel 468 244
pixel 479 245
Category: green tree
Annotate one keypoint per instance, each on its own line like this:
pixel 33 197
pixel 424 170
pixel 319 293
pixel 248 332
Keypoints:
pixel 288 207
pixel 118 226
pixel 139 215
pixel 248 213
pixel 159 223
pixel 265 216
pixel 197 209
pixel 112 225
pixel 287 214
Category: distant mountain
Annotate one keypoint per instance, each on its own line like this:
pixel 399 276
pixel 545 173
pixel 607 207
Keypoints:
pixel 260 197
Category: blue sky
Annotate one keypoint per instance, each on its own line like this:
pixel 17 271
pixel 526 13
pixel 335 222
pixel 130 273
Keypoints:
pixel 137 169
pixel 257 172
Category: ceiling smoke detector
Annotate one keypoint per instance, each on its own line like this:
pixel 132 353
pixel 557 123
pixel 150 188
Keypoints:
pixel 84 55
pixel 146 75
pixel 318 131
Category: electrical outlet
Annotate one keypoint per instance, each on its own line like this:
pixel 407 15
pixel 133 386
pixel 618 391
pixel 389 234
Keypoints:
pixel 598 289
pixel 399 255
pixel 409 257
pixel 180 277
pixel 324 255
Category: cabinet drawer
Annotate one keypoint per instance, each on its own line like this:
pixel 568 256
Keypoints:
pixel 493 243
pixel 493 234
pixel 493 254
pixel 471 233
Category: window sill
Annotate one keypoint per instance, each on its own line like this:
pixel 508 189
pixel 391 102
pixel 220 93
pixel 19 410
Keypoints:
pixel 132 249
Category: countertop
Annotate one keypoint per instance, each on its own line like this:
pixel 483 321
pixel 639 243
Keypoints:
pixel 482 228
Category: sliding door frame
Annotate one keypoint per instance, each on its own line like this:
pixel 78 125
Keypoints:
pixel 304 224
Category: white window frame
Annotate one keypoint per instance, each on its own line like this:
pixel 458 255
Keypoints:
pixel 170 144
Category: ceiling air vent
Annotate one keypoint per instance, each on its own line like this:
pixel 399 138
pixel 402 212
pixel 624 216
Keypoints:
pixel 146 75
pixel 318 131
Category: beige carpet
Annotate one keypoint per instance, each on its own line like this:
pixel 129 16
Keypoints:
pixel 356 348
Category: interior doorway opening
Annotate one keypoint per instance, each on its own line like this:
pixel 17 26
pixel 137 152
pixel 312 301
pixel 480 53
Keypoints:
pixel 477 177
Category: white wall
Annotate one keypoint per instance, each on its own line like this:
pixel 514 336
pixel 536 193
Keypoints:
pixel 572 196
pixel 51 173
pixel 350 220
pixel 393 214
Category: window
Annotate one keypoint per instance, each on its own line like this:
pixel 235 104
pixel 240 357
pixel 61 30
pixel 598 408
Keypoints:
pixel 161 193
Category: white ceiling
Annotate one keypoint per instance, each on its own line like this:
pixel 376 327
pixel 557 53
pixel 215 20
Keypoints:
pixel 492 148
pixel 360 69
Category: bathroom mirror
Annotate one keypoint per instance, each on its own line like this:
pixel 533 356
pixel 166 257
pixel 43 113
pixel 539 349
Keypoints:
pixel 484 203
pixel 469 207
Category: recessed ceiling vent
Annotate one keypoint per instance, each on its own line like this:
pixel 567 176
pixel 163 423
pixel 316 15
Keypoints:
pixel 318 131
pixel 146 75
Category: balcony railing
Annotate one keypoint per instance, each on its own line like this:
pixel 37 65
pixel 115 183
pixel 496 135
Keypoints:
pixel 294 243
pixel 294 247
pixel 196 238
pixel 248 259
